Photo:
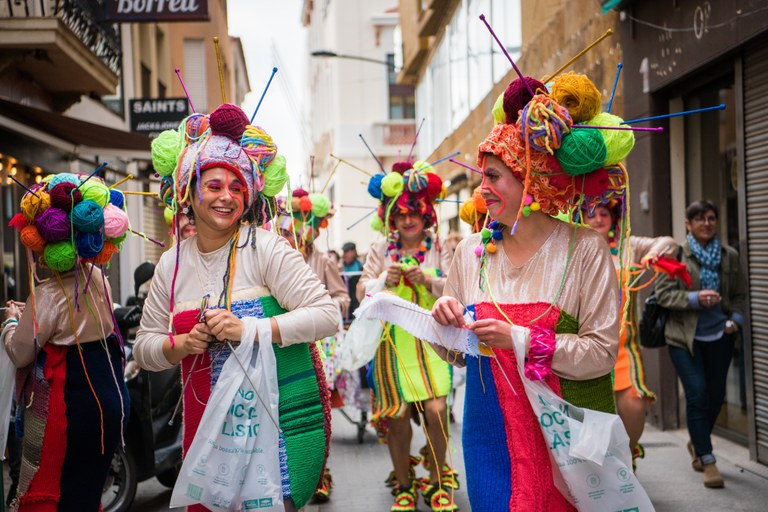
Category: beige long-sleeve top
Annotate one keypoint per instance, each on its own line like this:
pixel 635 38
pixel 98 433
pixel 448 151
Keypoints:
pixel 272 267
pixel 57 322
pixel 329 275
pixel 378 262
pixel 590 293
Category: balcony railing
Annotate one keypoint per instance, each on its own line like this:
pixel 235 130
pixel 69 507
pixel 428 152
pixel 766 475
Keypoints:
pixel 395 133
pixel 84 18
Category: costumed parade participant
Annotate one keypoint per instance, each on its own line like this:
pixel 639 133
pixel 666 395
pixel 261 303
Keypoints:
pixel 300 223
pixel 218 287
pixel 405 371
pixel 633 398
pixel 73 405
pixel 531 270
pixel 474 212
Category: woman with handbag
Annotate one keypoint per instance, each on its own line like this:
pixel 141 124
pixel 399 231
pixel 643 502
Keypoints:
pixel 227 173
pixel 701 328
pixel 633 398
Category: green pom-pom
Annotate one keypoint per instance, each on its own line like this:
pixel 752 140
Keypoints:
pixel 499 116
pixel 95 191
pixel 618 143
pixel 392 184
pixel 376 224
pixel 60 256
pixel 582 151
pixel 320 205
pixel 526 211
pixel 166 149
pixel 275 176
pixel 168 215
pixel 485 233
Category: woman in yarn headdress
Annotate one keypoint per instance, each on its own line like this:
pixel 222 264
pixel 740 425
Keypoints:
pixel 633 398
pixel 532 270
pixel 300 223
pixel 72 401
pixel 228 173
pixel 406 372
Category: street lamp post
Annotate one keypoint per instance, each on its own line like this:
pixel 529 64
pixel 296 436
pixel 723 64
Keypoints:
pixel 334 55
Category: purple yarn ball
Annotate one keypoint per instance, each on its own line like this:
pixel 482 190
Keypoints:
pixel 53 225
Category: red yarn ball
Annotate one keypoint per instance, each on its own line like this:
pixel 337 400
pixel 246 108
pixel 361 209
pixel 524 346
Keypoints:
pixel 401 167
pixel 300 192
pixel 228 120
pixel 517 96
pixel 594 183
pixel 62 195
pixel 305 204
pixel 434 186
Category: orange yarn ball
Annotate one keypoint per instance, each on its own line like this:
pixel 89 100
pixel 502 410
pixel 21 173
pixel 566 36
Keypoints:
pixel 106 253
pixel 578 94
pixel 305 204
pixel 477 199
pixel 324 223
pixel 31 238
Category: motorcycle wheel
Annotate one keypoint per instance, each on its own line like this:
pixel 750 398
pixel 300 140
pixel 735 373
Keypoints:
pixel 120 486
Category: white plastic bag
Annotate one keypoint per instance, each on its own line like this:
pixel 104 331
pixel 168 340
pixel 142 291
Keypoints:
pixel 7 386
pixel 589 450
pixel 362 338
pixel 234 460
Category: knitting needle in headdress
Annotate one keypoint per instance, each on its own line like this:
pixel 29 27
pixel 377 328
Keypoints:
pixel 104 164
pixel 129 177
pixel 186 93
pixel 503 49
pixel 608 32
pixel 23 186
pixel 330 175
pixel 373 210
pixel 221 71
pixel 274 70
pixel 440 160
pixel 632 128
pixel 415 138
pixel 615 83
pixel 676 114
pixel 312 173
pixel 351 165
pixel 478 171
pixel 145 237
pixel 371 152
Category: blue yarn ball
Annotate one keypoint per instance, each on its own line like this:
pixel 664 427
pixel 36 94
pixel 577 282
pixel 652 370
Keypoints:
pixel 88 216
pixel 116 198
pixel 62 177
pixel 374 185
pixel 89 245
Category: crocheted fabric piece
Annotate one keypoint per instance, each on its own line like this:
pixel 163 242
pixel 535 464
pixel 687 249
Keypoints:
pixel 302 418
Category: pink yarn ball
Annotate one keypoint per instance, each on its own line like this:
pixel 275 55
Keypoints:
pixel 116 221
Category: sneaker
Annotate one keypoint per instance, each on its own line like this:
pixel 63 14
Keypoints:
pixel 695 462
pixel 414 461
pixel 712 477
pixel 323 492
pixel 405 499
pixel 439 499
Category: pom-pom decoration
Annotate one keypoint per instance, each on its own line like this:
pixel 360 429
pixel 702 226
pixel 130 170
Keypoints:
pixel 415 180
pixel 18 222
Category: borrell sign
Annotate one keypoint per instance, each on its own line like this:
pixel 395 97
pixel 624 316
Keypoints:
pixel 156 10
pixel 151 116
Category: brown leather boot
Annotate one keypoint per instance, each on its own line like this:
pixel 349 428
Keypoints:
pixel 712 477
pixel 695 462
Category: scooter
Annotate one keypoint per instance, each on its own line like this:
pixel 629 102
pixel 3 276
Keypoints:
pixel 153 437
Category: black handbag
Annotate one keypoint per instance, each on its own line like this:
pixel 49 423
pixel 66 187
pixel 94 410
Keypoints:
pixel 652 323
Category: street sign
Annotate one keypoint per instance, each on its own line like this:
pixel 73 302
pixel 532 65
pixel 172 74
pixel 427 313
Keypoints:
pixel 151 116
pixel 123 11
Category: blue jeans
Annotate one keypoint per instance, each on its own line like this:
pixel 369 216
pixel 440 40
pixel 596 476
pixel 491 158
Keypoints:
pixel 703 376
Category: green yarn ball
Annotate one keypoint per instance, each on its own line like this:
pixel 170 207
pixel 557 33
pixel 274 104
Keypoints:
pixel 392 184
pixel 320 205
pixel 166 149
pixel 377 224
pixel 96 191
pixel 275 176
pixel 423 166
pixel 499 116
pixel 618 142
pixel 60 256
pixel 582 151
pixel 168 215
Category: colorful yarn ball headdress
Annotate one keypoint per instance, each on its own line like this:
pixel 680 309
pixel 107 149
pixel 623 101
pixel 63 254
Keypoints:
pixel 304 215
pixel 69 218
pixel 474 211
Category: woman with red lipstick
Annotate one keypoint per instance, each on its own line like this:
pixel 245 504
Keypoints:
pixel 233 277
pixel 531 270
pixel 405 371
pixel 702 326
pixel 633 398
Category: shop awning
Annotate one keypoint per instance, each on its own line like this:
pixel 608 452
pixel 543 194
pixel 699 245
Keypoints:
pixel 70 134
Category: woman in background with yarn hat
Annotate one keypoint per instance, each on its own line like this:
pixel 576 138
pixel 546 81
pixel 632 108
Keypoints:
pixel 633 398
pixel 300 223
pixel 228 173
pixel 529 269
pixel 406 371
pixel 72 401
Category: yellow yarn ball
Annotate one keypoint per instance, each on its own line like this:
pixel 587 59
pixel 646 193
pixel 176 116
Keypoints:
pixel 33 205
pixel 376 224
pixel 618 142
pixel 468 213
pixel 578 94
pixel 499 116
pixel 423 166
pixel 96 191
pixel 392 184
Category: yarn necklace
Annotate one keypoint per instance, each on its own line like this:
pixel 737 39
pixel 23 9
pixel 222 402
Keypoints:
pixel 395 247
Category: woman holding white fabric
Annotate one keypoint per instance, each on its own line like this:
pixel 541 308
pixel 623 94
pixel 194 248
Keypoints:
pixel 227 173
